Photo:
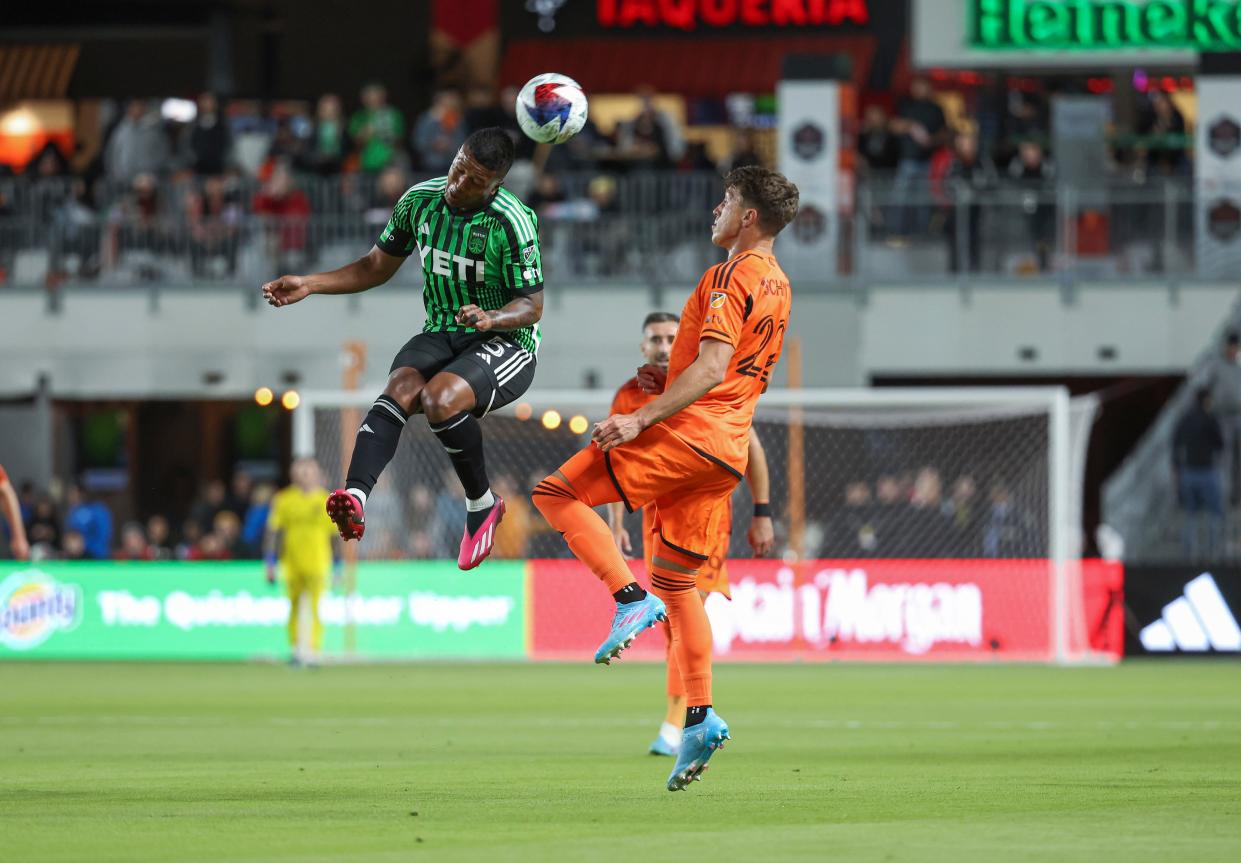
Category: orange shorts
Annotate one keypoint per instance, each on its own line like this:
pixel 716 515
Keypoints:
pixel 689 492
pixel 713 576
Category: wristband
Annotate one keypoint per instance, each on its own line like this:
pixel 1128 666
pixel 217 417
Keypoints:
pixel 270 558
pixel 762 510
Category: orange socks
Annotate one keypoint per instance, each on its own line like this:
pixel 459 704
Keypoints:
pixel 676 687
pixel 586 533
pixel 673 581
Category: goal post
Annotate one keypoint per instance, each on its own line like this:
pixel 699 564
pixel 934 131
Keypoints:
pixel 913 488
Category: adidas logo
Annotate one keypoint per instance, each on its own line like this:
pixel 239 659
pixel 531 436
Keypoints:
pixel 366 428
pixel 1198 621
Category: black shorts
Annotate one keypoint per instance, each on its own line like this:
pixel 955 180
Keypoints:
pixel 497 368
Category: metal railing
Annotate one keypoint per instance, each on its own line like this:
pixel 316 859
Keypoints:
pixel 650 228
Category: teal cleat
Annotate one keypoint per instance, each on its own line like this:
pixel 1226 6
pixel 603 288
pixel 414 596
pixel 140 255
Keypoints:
pixel 698 744
pixel 663 747
pixel 631 618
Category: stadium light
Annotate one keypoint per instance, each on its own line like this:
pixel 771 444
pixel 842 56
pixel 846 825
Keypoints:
pixel 551 420
pixel 523 411
pixel 290 400
pixel 578 424
pixel 263 396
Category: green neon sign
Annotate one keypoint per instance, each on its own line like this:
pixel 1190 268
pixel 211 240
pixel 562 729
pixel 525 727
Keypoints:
pixel 1105 25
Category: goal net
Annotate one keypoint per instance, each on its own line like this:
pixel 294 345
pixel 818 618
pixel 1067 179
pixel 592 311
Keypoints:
pixel 943 520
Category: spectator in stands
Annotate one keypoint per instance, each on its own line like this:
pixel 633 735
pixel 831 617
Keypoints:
pixel 1032 171
pixel 1164 146
pixel 744 150
pixel 964 515
pixel 285 210
pixel 423 513
pixel 876 144
pixel 921 130
pixel 159 538
pixel 209 502
pixel 92 519
pixel 377 129
pixel 1196 447
pixel 608 243
pixel 213 217
pixel 255 521
pixel 138 144
pixel 75 235
pixel 191 535
pixel 439 132
pixel 1006 529
pixel 74 546
pixel 134 546
pixel 969 175
pixel 1225 382
pixel 482 110
pixel 285 148
pixel 240 489
pixel 227 528
pixel 43 529
pixel 449 511
pixel 696 159
pixel 329 141
pixel 547 192
pixel 210 547
pixel 513 534
pixel 209 140
pixel 853 531
pixel 927 521
pixel 389 188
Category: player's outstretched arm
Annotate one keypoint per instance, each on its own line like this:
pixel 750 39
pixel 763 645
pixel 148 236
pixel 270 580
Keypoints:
pixel 702 375
pixel 13 514
pixel 521 312
pixel 369 271
pixel 762 533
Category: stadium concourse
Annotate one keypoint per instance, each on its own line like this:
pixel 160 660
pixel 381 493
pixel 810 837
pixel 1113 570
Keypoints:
pixel 967 585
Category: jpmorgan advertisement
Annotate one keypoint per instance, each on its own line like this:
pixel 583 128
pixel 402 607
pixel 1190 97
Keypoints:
pixel 223 611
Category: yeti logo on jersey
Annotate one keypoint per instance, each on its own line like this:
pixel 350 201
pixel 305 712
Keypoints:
pixel 478 239
pixel 452 266
pixel 424 230
pixel 527 254
pixel 718 298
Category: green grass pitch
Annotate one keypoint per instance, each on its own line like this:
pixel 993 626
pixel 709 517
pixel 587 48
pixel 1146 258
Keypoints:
pixel 218 763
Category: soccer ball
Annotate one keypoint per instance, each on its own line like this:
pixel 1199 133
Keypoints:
pixel 551 108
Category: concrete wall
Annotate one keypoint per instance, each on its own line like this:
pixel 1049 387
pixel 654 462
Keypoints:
pixel 115 344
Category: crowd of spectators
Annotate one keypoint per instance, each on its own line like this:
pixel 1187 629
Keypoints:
pixel 933 170
pixel 915 516
pixel 206 184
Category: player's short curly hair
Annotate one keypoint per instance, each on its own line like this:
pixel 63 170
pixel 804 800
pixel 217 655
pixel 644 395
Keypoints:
pixel 492 148
pixel 767 191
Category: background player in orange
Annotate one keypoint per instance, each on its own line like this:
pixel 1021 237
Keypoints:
pixel 659 331
pixel 13 515
pixel 686 450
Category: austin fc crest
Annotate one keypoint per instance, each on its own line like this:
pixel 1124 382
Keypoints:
pixel 478 240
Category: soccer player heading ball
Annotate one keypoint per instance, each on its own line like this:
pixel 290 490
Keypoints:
pixel 479 249
pixel 684 452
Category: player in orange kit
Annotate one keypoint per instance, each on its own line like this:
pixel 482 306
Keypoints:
pixel 659 330
pixel 685 452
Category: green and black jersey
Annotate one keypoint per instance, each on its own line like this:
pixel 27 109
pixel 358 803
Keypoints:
pixel 486 257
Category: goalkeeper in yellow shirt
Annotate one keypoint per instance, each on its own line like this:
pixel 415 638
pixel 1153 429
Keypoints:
pixel 301 538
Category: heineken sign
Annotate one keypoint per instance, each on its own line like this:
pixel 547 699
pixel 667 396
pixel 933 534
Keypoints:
pixel 1105 25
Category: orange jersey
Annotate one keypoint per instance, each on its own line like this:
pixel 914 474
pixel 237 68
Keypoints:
pixel 745 302
pixel 630 397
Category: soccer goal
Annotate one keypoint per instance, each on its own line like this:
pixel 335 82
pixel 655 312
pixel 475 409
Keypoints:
pixel 919 522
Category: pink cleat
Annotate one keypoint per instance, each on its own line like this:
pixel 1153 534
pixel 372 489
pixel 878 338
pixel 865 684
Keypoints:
pixel 476 546
pixel 346 510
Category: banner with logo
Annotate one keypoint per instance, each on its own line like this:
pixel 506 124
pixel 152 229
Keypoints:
pixel 208 611
pixel 1217 175
pixel 889 610
pixel 1183 611
pixel 809 151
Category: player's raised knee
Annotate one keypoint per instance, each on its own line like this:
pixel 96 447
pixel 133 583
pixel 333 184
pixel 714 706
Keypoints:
pixel 405 388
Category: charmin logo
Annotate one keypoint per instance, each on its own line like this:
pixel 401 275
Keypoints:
pixel 34 606
pixel 841 607
pixel 1196 622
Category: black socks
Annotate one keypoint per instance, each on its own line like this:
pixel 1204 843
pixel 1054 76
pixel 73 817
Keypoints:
pixel 375 444
pixel 462 438
pixel 694 715
pixel 629 593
